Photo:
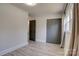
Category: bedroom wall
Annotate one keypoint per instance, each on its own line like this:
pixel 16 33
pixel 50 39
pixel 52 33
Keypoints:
pixel 13 28
pixel 41 26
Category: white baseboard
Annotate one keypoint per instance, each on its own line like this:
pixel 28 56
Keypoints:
pixel 12 49
pixel 40 41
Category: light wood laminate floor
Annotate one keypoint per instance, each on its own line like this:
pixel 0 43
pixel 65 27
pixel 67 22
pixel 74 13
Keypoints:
pixel 38 49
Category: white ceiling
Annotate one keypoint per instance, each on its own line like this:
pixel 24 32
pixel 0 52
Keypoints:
pixel 42 8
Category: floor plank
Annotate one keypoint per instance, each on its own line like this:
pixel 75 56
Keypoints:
pixel 38 49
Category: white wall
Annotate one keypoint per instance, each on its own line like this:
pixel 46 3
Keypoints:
pixel 13 28
pixel 41 24
pixel 41 30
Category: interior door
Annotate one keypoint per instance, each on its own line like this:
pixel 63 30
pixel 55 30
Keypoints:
pixel 54 31
pixel 32 30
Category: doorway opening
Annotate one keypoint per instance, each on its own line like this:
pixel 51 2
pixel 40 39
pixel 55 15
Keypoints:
pixel 32 30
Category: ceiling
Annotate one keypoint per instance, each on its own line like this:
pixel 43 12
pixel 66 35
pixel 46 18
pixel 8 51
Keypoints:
pixel 42 8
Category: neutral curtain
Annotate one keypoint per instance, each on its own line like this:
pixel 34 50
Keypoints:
pixel 73 45
pixel 76 29
pixel 72 36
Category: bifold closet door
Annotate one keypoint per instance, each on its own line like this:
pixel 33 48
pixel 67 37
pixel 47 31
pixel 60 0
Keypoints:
pixel 54 31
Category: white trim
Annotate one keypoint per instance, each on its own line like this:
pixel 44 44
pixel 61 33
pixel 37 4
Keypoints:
pixel 12 49
pixel 41 41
